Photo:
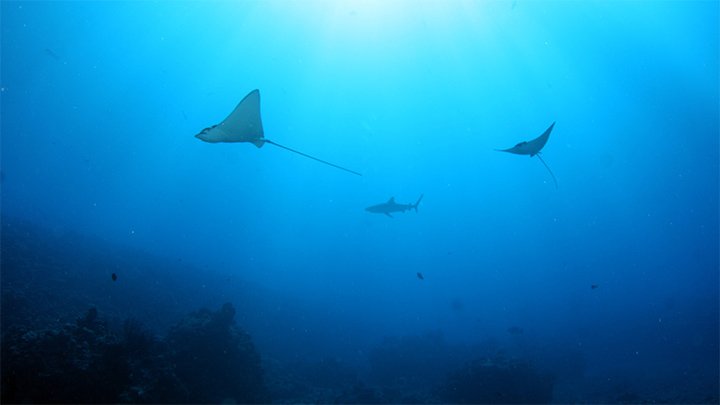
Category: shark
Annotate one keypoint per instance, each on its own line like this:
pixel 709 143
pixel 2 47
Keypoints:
pixel 244 124
pixel 391 206
pixel 533 148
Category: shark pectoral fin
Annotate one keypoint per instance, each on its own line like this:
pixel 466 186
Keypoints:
pixel 388 214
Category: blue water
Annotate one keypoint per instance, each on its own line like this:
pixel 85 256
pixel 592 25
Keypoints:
pixel 101 102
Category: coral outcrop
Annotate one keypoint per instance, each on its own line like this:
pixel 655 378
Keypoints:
pixel 497 381
pixel 204 359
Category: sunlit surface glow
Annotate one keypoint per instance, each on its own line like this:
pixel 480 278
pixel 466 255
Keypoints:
pixel 377 22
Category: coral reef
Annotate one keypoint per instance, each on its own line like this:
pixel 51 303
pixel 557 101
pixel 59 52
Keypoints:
pixel 205 358
pixel 414 360
pixel 496 381
pixel 216 361
pixel 327 380
pixel 77 363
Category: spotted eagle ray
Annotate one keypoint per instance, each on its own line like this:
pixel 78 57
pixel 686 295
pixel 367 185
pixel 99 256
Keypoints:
pixel 533 148
pixel 245 125
pixel 391 206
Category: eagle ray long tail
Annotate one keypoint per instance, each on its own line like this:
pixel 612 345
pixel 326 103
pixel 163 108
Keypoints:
pixel 548 169
pixel 311 157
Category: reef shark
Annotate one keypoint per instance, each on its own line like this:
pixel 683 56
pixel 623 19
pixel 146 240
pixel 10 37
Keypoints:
pixel 533 148
pixel 245 125
pixel 391 206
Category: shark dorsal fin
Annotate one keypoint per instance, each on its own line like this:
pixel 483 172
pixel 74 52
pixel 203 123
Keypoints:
pixel 391 200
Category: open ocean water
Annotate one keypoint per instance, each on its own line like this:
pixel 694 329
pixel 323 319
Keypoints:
pixel 143 264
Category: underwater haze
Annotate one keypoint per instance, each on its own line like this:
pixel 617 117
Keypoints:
pixel 499 286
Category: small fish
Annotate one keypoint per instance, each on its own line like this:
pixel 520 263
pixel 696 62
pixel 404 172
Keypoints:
pixel 52 54
pixel 114 277
pixel 420 276
pixel 594 286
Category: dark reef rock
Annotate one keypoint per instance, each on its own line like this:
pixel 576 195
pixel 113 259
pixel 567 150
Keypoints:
pixel 204 359
pixel 216 361
pixel 497 381
pixel 77 363
pixel 359 393
pixel 327 380
pixel 417 360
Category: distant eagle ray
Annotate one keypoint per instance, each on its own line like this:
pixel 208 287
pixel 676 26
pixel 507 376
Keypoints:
pixel 533 148
pixel 245 125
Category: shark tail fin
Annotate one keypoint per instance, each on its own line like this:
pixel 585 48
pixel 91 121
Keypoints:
pixel 418 202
